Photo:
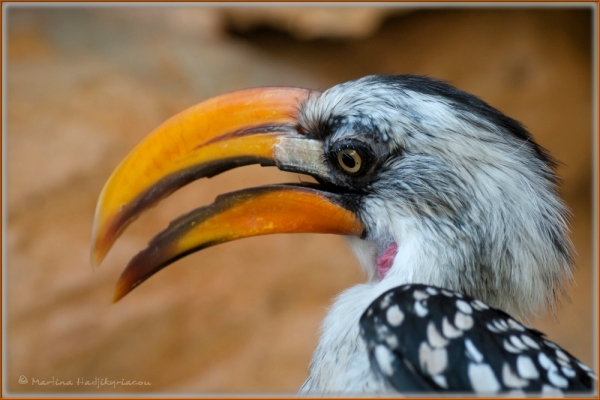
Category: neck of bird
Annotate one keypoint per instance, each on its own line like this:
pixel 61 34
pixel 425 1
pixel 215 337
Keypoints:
pixel 432 259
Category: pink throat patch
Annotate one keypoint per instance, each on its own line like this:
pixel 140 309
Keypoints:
pixel 385 261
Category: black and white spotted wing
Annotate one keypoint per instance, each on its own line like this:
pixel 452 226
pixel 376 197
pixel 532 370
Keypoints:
pixel 424 338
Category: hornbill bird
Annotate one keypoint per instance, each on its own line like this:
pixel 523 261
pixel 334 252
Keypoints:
pixel 450 206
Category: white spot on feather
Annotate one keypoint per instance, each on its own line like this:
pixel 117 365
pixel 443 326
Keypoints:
pixel 420 309
pixel 503 324
pixel 499 325
pixel 386 300
pixel 509 347
pixel 526 368
pixel 394 315
pixel 464 306
pixel 392 341
pixel 510 379
pixel 563 362
pixel 384 359
pixel 530 342
pixel 568 371
pixel 482 378
pixel 518 343
pixel 419 295
pixel 434 337
pixel 561 355
pixel 479 305
pixel 472 351
pixel 492 328
pixel 432 291
pixel 463 321
pixel 515 325
pixel 557 379
pixel 440 380
pixel 432 361
pixel 546 362
pixel 450 331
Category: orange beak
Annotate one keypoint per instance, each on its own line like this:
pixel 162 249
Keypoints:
pixel 254 126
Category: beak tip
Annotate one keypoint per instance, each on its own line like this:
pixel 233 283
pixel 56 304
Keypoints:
pixel 96 256
pixel 121 291
pixel 117 296
pixel 101 243
pixel 126 282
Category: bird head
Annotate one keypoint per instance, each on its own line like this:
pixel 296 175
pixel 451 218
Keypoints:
pixel 430 185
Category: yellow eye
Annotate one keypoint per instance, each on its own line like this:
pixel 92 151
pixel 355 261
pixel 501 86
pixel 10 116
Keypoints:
pixel 349 160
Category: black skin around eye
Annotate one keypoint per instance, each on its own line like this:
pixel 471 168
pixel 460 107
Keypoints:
pixel 349 170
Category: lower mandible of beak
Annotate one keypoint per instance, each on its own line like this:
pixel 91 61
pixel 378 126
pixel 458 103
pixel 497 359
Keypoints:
pixel 251 212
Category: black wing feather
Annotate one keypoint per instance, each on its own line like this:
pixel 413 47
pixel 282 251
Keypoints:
pixel 424 338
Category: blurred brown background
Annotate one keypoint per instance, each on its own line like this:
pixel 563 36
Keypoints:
pixel 86 84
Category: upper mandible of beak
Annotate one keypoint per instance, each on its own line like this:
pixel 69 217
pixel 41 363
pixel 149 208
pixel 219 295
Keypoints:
pixel 240 128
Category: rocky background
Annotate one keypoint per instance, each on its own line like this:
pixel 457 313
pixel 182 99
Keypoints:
pixel 84 85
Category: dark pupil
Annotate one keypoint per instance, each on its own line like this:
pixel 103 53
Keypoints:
pixel 348 160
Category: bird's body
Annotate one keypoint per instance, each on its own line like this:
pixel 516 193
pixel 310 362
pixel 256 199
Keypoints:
pixel 340 363
pixel 432 187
